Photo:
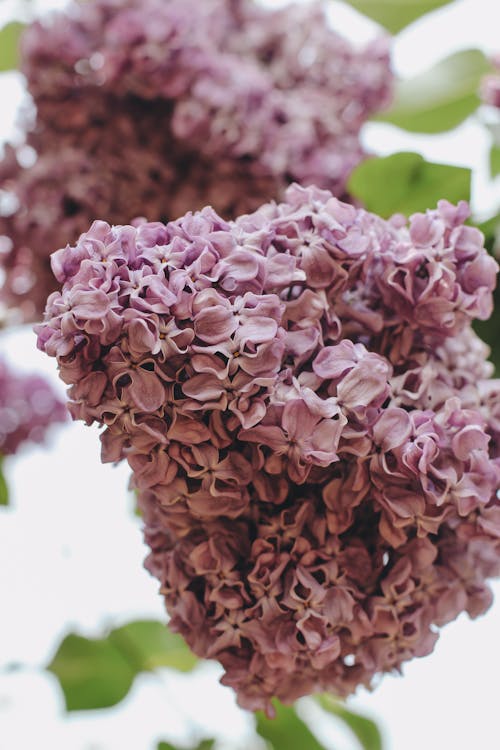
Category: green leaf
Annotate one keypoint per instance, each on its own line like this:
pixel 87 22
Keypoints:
pixel 489 330
pixel 92 673
pixel 9 39
pixel 396 14
pixel 4 490
pixel 364 729
pixel 204 745
pixel 406 183
pixel 154 645
pixel 491 230
pixel 286 731
pixel 98 673
pixel 494 161
pixel 135 504
pixel 440 98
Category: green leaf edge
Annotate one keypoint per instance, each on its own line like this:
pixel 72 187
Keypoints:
pixel 286 731
pixel 203 745
pixel 494 161
pixel 409 119
pixel 9 45
pixel 412 163
pixel 364 729
pixel 119 642
pixel 389 23
pixel 4 488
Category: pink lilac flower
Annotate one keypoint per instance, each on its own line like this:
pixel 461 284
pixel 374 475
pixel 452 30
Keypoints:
pixel 155 108
pixel 28 407
pixel 311 424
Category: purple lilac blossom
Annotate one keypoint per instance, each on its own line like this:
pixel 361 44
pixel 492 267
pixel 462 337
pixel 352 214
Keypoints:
pixel 28 407
pixel 311 424
pixel 149 107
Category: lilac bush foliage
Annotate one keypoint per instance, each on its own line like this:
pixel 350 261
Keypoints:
pixel 310 421
pixel 155 107
pixel 28 407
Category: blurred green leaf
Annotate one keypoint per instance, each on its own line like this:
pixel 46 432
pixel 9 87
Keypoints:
pixel 98 673
pixel 489 330
pixel 286 731
pixel 204 745
pixel 135 504
pixel 364 729
pixel 491 230
pixel 4 490
pixel 9 40
pixel 154 645
pixel 92 673
pixel 495 160
pixel 406 183
pixel 441 97
pixel 396 14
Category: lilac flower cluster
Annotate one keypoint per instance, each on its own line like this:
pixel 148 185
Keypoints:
pixel 310 421
pixel 28 407
pixel 154 107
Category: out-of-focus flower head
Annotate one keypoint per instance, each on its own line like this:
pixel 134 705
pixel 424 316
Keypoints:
pixel 490 86
pixel 158 107
pixel 28 407
pixel 310 421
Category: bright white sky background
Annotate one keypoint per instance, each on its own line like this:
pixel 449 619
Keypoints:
pixel 71 551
